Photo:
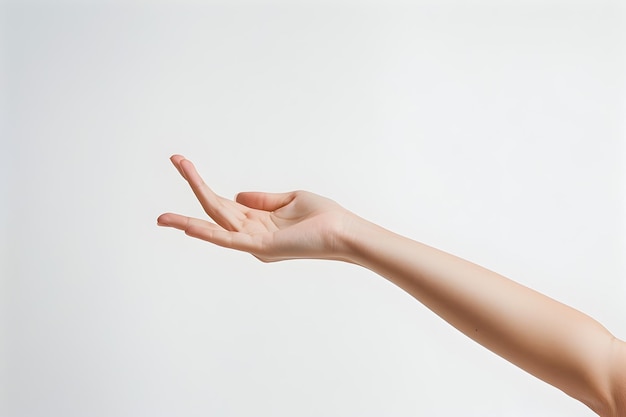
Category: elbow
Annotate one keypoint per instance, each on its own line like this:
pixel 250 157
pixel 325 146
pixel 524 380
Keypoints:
pixel 610 399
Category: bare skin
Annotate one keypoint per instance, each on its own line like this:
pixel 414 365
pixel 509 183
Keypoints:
pixel 548 339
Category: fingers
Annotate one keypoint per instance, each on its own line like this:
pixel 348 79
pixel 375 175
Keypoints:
pixel 211 202
pixel 183 222
pixel 176 161
pixel 210 232
pixel 265 201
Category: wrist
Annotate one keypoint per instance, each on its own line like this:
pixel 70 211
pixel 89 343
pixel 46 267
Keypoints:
pixel 355 237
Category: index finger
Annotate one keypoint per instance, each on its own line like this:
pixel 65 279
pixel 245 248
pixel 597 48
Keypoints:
pixel 176 162
pixel 211 203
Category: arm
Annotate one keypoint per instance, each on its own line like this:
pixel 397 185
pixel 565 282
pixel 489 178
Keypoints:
pixel 550 340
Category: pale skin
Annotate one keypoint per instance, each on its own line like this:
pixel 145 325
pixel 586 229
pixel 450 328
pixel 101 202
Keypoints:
pixel 552 341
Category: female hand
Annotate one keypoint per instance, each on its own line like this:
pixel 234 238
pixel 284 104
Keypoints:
pixel 270 226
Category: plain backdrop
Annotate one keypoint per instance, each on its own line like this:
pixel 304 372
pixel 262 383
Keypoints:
pixel 492 130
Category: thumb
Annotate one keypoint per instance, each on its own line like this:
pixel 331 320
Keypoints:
pixel 265 201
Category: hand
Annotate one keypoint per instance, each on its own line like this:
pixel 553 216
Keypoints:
pixel 270 226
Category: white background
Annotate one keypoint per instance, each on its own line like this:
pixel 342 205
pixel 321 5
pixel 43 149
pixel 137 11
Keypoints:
pixel 492 130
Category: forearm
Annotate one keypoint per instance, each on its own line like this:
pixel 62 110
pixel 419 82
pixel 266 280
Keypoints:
pixel 550 340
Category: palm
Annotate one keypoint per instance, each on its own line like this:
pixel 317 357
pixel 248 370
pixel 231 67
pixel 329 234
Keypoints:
pixel 270 226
